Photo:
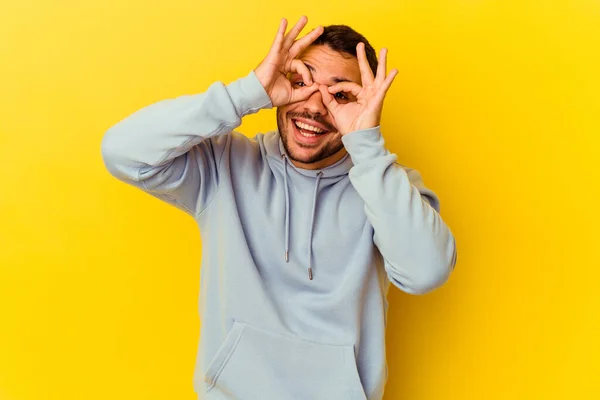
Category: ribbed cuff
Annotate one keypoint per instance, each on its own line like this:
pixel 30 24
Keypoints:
pixel 365 145
pixel 248 95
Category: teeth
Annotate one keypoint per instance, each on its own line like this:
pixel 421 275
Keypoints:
pixel 307 127
pixel 307 134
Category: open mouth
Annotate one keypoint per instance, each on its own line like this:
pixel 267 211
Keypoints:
pixel 308 133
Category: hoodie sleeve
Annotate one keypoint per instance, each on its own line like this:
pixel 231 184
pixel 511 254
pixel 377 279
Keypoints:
pixel 171 149
pixel 418 247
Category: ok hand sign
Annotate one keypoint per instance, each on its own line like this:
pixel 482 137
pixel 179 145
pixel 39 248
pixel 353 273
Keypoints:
pixel 365 112
pixel 281 60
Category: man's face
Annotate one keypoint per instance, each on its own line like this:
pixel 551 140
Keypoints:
pixel 308 131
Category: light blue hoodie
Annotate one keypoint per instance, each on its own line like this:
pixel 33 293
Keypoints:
pixel 269 332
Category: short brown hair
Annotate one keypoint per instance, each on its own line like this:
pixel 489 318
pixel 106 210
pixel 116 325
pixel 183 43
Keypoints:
pixel 344 39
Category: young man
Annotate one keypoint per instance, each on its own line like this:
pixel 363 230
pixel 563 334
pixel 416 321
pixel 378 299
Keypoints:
pixel 303 229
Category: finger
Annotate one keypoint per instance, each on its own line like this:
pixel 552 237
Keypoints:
pixel 381 67
pixel 278 42
pixel 293 33
pixel 348 87
pixel 304 93
pixel 328 99
pixel 366 75
pixel 301 68
pixel 301 44
pixel 388 81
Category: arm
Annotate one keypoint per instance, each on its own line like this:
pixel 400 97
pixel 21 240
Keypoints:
pixel 418 248
pixel 166 149
pixel 172 149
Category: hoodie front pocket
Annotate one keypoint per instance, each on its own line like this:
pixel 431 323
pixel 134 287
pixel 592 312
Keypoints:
pixel 256 364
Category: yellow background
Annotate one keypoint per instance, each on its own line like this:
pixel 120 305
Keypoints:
pixel 497 103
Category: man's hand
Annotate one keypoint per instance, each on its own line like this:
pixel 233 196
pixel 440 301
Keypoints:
pixel 273 70
pixel 365 112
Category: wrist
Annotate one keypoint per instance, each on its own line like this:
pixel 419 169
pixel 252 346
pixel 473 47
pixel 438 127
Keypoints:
pixel 363 125
pixel 365 144
pixel 248 95
pixel 262 77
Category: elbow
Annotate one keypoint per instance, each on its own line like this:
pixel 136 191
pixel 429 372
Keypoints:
pixel 110 156
pixel 115 160
pixel 431 274
pixel 427 282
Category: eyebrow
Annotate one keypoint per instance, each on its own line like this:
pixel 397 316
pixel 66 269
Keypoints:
pixel 336 79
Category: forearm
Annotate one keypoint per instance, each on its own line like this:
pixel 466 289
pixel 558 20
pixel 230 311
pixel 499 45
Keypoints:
pixel 417 245
pixel 157 134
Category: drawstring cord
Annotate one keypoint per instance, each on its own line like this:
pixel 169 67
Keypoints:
pixel 287 210
pixel 287 217
pixel 312 223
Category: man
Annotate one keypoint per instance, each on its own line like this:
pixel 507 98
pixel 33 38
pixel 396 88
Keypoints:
pixel 303 229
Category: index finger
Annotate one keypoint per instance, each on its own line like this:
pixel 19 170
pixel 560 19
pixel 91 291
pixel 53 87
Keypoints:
pixel 348 87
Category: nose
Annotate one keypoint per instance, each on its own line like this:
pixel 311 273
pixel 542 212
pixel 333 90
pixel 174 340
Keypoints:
pixel 314 104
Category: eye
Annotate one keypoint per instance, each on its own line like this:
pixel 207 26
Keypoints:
pixel 299 83
pixel 340 96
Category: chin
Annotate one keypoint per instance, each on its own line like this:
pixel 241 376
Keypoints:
pixel 307 140
pixel 301 154
pixel 312 154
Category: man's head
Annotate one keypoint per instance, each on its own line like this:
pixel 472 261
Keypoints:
pixel 308 131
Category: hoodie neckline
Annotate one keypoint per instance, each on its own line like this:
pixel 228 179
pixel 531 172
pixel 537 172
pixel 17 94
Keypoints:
pixel 275 150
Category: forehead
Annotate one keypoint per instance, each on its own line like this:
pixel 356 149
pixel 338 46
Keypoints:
pixel 329 66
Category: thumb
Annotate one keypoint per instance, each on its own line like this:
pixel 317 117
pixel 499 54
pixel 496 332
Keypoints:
pixel 303 92
pixel 328 99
